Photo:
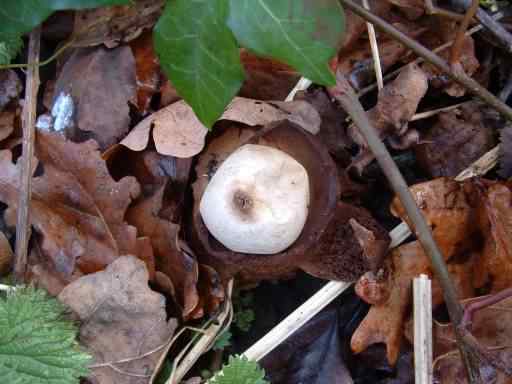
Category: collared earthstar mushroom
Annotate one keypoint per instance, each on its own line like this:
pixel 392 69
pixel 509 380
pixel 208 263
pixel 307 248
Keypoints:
pixel 257 201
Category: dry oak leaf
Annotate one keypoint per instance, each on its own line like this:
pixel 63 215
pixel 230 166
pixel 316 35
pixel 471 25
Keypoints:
pixel 496 224
pixel 121 319
pixel 460 137
pixel 397 104
pixel 178 132
pixel 453 219
pixel 101 82
pixel 76 207
pixel 179 266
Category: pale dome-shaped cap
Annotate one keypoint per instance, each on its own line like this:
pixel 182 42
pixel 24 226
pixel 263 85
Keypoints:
pixel 257 201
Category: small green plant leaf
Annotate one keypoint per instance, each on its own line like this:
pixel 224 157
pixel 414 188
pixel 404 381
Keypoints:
pixel 301 33
pixel 18 17
pixel 223 341
pixel 37 345
pixel 239 370
pixel 199 54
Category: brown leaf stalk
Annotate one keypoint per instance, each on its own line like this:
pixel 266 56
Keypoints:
pixel 29 121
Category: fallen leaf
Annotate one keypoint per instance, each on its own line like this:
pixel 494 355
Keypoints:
pixel 254 112
pixel 397 104
pixel 10 85
pixel 76 207
pixel 121 319
pixel 459 138
pixel 101 82
pixel 178 132
pixel 178 265
pixel 496 259
pixel 113 25
pixel 472 225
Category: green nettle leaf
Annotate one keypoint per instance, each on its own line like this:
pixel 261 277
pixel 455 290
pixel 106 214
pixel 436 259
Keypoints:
pixel 18 17
pixel 37 345
pixel 301 33
pixel 239 370
pixel 199 54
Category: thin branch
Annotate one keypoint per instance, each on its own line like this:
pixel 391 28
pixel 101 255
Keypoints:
pixel 420 60
pixel 29 122
pixel 375 50
pixel 460 77
pixel 461 33
pixel 503 37
pixel 422 293
pixel 295 320
pixel 345 95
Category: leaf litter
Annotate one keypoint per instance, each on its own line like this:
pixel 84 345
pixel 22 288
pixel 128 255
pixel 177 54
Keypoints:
pixel 115 196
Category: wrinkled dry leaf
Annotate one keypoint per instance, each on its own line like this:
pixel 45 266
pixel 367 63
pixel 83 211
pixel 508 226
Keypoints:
pixel 497 254
pixel 472 225
pixel 178 132
pixel 254 112
pixel 121 318
pixel 179 266
pixel 76 207
pixel 113 25
pixel 460 137
pixel 101 82
pixel 10 86
pixel 397 104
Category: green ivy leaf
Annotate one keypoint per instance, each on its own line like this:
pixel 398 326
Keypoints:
pixel 199 54
pixel 239 370
pixel 18 17
pixel 301 33
pixel 37 345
